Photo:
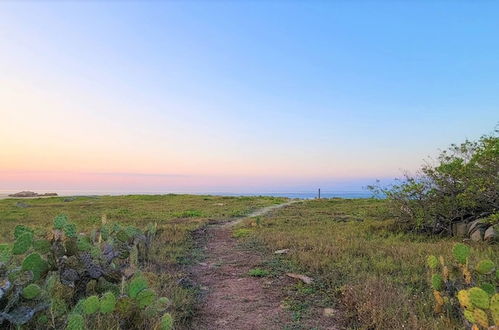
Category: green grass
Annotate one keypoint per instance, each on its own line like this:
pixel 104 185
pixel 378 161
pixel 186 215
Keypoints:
pixel 177 216
pixel 374 275
pixel 258 272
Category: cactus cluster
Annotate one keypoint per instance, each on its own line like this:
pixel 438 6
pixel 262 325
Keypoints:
pixel 476 296
pixel 63 279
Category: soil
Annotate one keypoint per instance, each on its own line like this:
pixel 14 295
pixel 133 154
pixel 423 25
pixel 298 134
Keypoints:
pixel 231 299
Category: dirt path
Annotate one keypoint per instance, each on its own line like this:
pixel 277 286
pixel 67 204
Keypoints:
pixel 232 299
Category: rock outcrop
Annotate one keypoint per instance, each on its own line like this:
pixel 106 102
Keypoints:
pixel 31 194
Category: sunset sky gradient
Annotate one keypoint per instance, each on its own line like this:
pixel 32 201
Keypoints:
pixel 238 96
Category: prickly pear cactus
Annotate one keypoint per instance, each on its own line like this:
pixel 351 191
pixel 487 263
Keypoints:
pixel 36 264
pixel 432 262
pixel 91 305
pixel 437 282
pixel 166 322
pixel 107 303
pixel 461 252
pixel 145 298
pixel 23 243
pixel 494 308
pixel 137 284
pixel 479 298
pixel 485 267
pixel 464 299
pixel 75 322
pixel 480 317
pixel 32 291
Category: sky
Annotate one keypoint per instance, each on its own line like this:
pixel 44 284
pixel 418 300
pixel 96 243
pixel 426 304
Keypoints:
pixel 241 96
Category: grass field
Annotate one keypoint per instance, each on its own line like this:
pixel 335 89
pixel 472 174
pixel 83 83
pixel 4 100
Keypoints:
pixel 177 216
pixel 374 276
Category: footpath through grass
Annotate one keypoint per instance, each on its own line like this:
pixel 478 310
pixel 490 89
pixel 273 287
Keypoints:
pixel 177 217
pixel 373 276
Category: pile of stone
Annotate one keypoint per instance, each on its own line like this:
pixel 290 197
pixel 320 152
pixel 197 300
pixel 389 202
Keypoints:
pixel 476 230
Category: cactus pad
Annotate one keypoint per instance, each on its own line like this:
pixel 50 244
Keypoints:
pixel 23 243
pixel 91 305
pixel 437 281
pixel 36 264
pixel 70 229
pixel 42 246
pixel 468 315
pixel 107 303
pixel 464 299
pixel 166 322
pixel 461 252
pixel 485 266
pixel 5 253
pixel 494 308
pixel 75 322
pixel 20 229
pixel 432 261
pixel 489 288
pixel 60 221
pixel 481 318
pixel 145 298
pixel 32 291
pixel 479 298
pixel 84 244
pixel 138 284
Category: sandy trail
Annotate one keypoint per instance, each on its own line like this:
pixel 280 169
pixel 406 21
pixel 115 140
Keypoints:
pixel 232 299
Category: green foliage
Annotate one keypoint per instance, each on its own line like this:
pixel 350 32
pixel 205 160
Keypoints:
pixel 42 246
pixel 20 229
pixel 258 272
pixel 107 303
pixel 137 284
pixel 166 322
pixel 479 298
pixel 432 261
pixel 461 252
pixel 75 322
pixel 31 291
pixel 463 184
pixel 70 229
pixel 437 281
pixel 145 298
pixel 23 243
pixel 36 264
pixel 489 288
pixel 60 222
pixel 91 305
pixel 5 253
pixel 485 266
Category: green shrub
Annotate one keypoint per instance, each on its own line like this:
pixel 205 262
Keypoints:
pixel 258 272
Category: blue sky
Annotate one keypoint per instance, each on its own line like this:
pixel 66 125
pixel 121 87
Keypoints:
pixel 277 95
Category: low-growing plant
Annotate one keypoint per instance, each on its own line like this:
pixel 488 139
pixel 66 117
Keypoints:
pixel 465 292
pixel 69 280
pixel 258 272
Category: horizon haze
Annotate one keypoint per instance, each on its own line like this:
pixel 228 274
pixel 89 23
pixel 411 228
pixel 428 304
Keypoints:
pixel 241 97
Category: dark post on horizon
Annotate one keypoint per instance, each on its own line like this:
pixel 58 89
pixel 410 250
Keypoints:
pixel 319 193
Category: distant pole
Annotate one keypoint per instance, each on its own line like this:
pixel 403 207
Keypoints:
pixel 319 193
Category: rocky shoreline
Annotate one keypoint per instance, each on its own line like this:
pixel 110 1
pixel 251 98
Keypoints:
pixel 31 194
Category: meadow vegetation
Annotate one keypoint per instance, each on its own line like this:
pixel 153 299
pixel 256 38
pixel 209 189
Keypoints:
pixel 105 262
pixel 363 265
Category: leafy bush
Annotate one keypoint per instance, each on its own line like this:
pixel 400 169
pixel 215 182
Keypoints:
pixel 75 281
pixel 462 186
pixel 463 293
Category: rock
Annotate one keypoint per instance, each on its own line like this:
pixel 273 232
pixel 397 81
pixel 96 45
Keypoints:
pixel 283 251
pixel 69 199
pixel 22 205
pixel 329 312
pixel 31 194
pixel 303 278
pixel 24 194
pixel 460 229
pixel 476 235
pixel 490 234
